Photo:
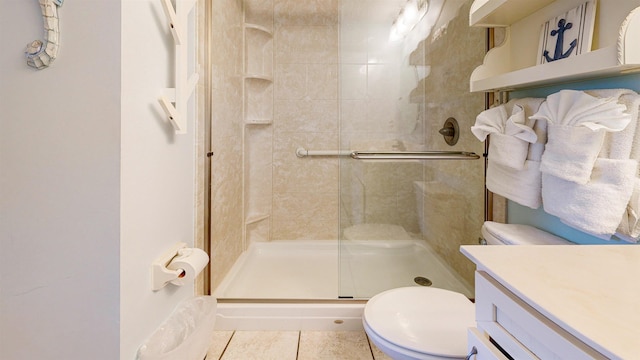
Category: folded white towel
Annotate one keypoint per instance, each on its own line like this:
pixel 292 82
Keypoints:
pixel 531 106
pixel 571 152
pixel 510 134
pixel 596 207
pixel 625 144
pixel 497 120
pixel 630 225
pixel 577 108
pixel 577 123
pixel 490 121
pixel 508 151
pixel 618 145
pixel 522 186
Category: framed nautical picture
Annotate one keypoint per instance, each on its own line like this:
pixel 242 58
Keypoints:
pixel 569 34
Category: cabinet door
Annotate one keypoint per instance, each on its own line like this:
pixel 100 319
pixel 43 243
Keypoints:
pixel 521 330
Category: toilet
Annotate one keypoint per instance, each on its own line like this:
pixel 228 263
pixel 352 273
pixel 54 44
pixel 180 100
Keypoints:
pixel 429 323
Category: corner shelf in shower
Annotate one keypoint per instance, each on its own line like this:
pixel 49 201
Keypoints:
pixel 258 87
pixel 258 99
pixel 258 121
pixel 258 50
pixel 512 65
pixel 255 218
pixel 259 28
pixel 259 77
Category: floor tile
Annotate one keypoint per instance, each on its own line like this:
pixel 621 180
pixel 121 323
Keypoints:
pixel 334 345
pixel 377 353
pixel 262 345
pixel 218 344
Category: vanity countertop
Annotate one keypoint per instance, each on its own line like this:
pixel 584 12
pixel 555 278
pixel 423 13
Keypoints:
pixel 592 291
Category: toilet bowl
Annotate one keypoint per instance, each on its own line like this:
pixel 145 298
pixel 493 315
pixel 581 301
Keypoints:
pixel 431 323
pixel 419 323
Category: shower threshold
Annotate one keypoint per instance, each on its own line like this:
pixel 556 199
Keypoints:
pixel 298 285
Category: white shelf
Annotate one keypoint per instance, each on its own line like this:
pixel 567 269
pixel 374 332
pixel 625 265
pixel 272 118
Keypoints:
pixel 512 65
pixel 594 64
pixel 500 13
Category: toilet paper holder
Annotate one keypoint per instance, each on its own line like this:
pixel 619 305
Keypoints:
pixel 160 275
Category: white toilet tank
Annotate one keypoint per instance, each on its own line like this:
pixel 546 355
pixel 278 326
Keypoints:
pixel 516 234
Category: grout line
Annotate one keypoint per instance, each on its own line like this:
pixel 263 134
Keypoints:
pixel 298 348
pixel 226 346
pixel 373 357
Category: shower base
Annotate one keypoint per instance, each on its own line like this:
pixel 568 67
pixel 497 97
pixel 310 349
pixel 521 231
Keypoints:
pixel 322 285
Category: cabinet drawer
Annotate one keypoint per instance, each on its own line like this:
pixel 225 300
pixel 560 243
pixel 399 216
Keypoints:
pixel 481 348
pixel 521 330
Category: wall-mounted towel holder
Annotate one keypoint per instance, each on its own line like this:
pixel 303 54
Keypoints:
pixel 174 101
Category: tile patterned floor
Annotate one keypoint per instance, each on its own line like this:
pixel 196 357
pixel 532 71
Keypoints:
pixel 293 345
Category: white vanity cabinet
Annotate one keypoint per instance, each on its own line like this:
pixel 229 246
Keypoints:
pixel 556 302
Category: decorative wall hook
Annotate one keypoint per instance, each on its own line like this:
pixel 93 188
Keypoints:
pixel 41 54
pixel 174 102
pixel 170 12
pixel 559 52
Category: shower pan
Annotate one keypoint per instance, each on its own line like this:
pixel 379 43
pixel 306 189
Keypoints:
pixel 330 179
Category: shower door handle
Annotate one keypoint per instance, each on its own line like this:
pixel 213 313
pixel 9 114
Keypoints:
pixel 414 155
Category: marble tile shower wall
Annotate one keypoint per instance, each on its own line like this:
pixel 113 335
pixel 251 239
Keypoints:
pixel 378 113
pixel 305 191
pixel 339 80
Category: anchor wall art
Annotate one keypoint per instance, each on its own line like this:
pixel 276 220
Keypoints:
pixel 42 53
pixel 567 35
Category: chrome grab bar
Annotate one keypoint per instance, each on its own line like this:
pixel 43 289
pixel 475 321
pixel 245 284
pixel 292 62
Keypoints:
pixel 414 155
pixel 302 152
pixel 391 155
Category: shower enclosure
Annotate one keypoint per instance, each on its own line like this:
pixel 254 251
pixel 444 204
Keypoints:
pixel 322 125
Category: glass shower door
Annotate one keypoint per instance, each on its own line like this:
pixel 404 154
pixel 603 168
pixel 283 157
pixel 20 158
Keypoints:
pixel 404 69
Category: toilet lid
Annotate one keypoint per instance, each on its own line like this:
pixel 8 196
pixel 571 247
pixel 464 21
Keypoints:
pixel 427 320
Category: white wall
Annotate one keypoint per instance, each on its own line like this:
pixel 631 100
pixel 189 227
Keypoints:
pixel 59 185
pixel 157 173
pixel 93 183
